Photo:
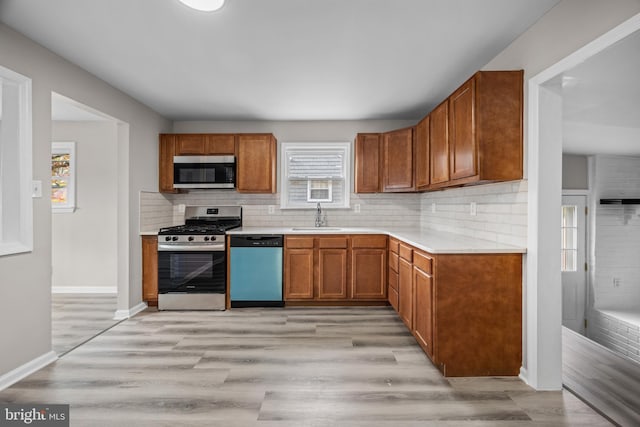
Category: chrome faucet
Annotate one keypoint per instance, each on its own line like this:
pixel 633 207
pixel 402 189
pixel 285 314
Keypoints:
pixel 320 220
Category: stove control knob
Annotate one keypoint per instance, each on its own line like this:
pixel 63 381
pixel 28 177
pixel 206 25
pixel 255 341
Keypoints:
pixel 174 238
pixel 190 238
pixel 167 238
pixel 206 238
pixel 213 238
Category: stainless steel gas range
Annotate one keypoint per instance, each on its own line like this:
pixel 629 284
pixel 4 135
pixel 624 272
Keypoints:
pixel 192 259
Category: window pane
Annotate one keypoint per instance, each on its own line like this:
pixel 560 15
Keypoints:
pixel 569 240
pixel 569 218
pixel 569 260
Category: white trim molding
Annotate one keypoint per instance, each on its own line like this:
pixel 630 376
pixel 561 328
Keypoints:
pixel 543 318
pixel 126 314
pixel 84 290
pixel 21 372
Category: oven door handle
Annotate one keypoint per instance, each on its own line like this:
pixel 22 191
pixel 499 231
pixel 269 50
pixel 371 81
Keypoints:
pixel 190 248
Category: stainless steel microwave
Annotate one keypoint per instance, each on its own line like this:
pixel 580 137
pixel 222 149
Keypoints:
pixel 204 172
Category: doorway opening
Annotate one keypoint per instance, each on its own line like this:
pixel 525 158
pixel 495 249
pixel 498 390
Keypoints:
pixel 84 222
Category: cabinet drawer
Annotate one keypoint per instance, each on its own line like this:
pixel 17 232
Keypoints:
pixel 393 245
pixel 393 280
pixel 332 242
pixel 406 252
pixel 298 242
pixel 393 298
pixel 422 261
pixel 369 242
pixel 393 261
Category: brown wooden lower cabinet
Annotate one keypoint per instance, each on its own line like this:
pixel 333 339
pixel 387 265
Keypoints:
pixel 423 305
pixel 335 268
pixel 150 270
pixel 405 292
pixel 467 311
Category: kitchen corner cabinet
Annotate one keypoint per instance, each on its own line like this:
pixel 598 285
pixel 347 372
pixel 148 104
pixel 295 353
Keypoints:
pixel 150 270
pixel 421 155
pixel 256 163
pixel 484 131
pixel 368 163
pixel 397 149
pixel 339 268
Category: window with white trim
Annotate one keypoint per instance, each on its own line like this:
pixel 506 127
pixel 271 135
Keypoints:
pixel 16 208
pixel 314 173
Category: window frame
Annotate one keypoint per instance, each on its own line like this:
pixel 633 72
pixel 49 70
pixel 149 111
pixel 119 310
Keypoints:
pixel 345 150
pixel 20 213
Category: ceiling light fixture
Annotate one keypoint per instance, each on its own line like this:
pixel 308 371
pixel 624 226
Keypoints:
pixel 204 5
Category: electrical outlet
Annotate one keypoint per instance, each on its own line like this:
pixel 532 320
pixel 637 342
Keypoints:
pixel 616 282
pixel 433 208
pixel 272 209
pixel 36 189
pixel 473 209
pixel 357 207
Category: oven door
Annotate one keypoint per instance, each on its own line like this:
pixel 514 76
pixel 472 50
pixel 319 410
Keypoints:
pixel 204 172
pixel 181 271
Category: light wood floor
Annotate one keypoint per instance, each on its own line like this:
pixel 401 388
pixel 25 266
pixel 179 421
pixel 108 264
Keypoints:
pixel 77 318
pixel 302 367
pixel 601 377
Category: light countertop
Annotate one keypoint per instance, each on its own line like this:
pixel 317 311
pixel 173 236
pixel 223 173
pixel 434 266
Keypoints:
pixel 435 242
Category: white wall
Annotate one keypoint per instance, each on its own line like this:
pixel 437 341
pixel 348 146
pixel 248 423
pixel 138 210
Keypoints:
pixel 575 172
pixel 501 212
pixel 25 279
pixel 617 233
pixel 84 242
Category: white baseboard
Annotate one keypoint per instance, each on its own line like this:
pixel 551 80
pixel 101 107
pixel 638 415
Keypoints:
pixel 125 314
pixel 524 375
pixel 12 377
pixel 84 290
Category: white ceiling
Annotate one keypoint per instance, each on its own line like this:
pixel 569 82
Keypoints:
pixel 279 59
pixel 601 101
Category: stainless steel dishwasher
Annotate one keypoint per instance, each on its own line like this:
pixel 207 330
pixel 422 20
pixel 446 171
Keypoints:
pixel 256 270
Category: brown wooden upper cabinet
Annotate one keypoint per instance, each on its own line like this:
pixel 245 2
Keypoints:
pixel 368 163
pixel 397 149
pixel 256 163
pixel 421 155
pixel 484 131
pixel 165 165
pixel 439 139
pixel 197 144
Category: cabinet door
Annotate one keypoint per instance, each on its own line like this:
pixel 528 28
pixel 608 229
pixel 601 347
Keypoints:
pixel 421 155
pixel 368 279
pixel 220 144
pixel 393 298
pixel 462 136
pixel 150 269
pixel 332 274
pixel 165 165
pixel 398 160
pixel 298 277
pixel 367 163
pixel 405 292
pixel 423 309
pixel 439 142
pixel 190 144
pixel 256 163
